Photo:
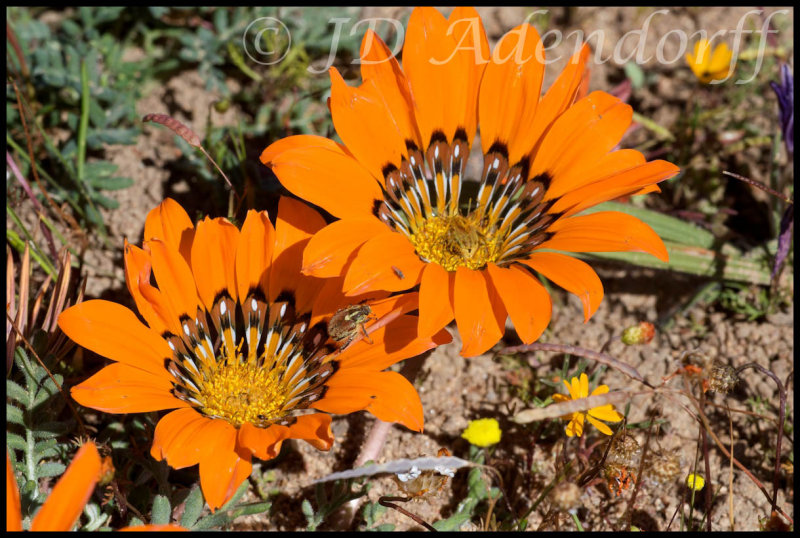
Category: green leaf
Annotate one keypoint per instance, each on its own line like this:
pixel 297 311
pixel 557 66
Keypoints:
pixel 635 73
pixel 100 169
pixel 52 468
pixel 308 511
pixel 110 183
pixel 225 517
pixel 45 449
pixel 14 414
pixel 192 508
pixel 454 522
pixel 16 392
pixel 161 510
pixel 15 442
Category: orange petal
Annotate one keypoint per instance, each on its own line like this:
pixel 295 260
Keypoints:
pixel 333 246
pixel 510 90
pixel 390 344
pixel 435 299
pixel 113 331
pixel 299 141
pixel 264 443
pixel 471 43
pixel 13 506
pixel 119 388
pixel 615 184
pixel 526 300
pixel 432 65
pixel 314 429
pixel 387 395
pixel 65 503
pixel 254 253
pixel 222 468
pixel 379 66
pixel 480 323
pixel 329 178
pixel 137 270
pixel 170 223
pixel 214 259
pixel 571 274
pixel 362 119
pixel 560 95
pixel 385 262
pixel 174 278
pixel 175 438
pixel 578 139
pixel 605 231
pixel 295 225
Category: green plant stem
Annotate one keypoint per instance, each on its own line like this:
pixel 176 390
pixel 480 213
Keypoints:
pixel 577 521
pixel 649 124
pixel 83 127
pixel 19 245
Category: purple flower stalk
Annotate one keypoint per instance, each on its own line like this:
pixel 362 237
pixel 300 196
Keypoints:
pixel 785 93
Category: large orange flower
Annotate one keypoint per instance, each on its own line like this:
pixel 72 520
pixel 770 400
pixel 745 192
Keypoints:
pixel 237 342
pixel 407 218
pixel 65 503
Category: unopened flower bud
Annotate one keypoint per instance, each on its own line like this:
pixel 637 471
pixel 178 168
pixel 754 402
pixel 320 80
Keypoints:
pixel 722 378
pixel 624 451
pixel 663 467
pixel 639 334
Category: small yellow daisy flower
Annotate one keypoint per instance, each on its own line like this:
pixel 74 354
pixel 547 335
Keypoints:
pixel 709 65
pixel 482 432
pixel 579 388
pixel 695 482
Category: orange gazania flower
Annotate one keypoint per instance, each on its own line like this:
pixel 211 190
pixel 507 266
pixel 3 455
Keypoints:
pixel 236 341
pixel 65 503
pixel 407 216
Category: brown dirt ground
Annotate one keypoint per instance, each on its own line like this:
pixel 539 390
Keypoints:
pixel 455 390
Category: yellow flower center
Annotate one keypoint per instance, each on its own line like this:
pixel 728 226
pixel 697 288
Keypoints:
pixel 242 392
pixel 455 241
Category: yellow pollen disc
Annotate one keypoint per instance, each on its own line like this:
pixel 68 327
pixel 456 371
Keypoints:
pixel 457 241
pixel 242 392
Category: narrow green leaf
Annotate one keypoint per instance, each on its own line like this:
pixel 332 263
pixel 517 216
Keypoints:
pixel 635 73
pixel 453 523
pixel 225 517
pixel 110 183
pixel 52 468
pixel 696 261
pixel 308 511
pixel 192 508
pixel 161 510
pixel 15 392
pixel 15 442
pixel 14 414
pixel 45 449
